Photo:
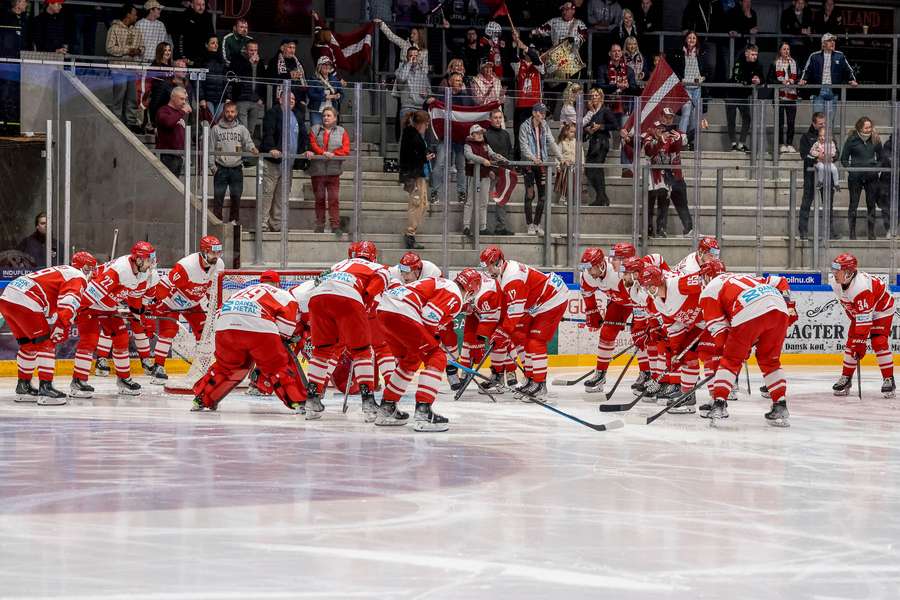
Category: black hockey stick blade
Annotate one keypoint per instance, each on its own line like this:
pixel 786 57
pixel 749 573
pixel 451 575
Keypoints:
pixel 609 395
pixel 679 400
pixel 621 407
pixel 617 424
pixel 347 390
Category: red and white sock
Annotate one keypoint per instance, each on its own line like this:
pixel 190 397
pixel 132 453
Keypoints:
pixel 26 361
pixel 123 363
pixel 429 380
pixel 46 365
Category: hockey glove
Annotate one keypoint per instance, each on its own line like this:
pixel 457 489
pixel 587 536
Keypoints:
pixel 857 347
pixel 594 319
pixel 59 334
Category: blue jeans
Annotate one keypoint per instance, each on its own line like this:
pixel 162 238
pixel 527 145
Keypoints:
pixel 315 118
pixel 826 101
pixel 458 159
pixel 688 114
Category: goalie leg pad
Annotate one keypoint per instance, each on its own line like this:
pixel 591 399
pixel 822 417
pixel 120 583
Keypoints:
pixel 218 383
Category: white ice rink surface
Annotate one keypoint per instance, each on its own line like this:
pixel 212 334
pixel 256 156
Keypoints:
pixel 139 498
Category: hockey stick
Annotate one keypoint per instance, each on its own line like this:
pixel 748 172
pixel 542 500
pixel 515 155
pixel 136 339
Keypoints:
pixel 747 371
pixel 681 399
pixel 617 424
pixel 612 323
pixel 287 347
pixel 474 373
pixel 859 378
pixel 589 373
pixel 347 389
pixel 469 376
pixel 609 395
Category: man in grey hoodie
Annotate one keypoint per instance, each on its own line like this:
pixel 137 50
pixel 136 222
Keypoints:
pixel 228 136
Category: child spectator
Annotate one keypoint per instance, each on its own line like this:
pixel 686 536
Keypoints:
pixel 825 154
pixel 568 147
pixel 477 151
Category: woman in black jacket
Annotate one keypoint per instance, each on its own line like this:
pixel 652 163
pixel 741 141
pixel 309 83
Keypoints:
pixel 862 149
pixel 415 167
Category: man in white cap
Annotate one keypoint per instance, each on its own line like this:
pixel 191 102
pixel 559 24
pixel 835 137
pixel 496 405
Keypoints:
pixel 478 152
pixel 152 29
pixel 827 67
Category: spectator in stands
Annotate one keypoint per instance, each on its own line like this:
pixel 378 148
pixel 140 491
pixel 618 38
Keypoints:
pixel 152 29
pixel 486 87
pixel 862 150
pixel 748 73
pixel 35 245
pixel 228 136
pixel 214 89
pixel 455 66
pixel 52 30
pixel 827 67
pixel 635 59
pixel 325 91
pixel 162 57
pixel 498 140
pixel 884 183
pixel 797 22
pixel 784 73
pixel 605 16
pixel 477 151
pixel 692 67
pixel 233 43
pixel 412 83
pixel 329 141
pixel 171 120
pixel 298 146
pixel 474 52
pixel 806 143
pixel 648 19
pixel 125 43
pixel 536 145
pixel 415 167
pixel 566 26
pixel 825 154
pixel 529 72
pixel 249 91
pixel 569 149
pixel 698 17
pixel 829 20
pixel 286 66
pixel 15 30
pixel 459 97
pixel 742 21
pixel 663 147
pixel 626 29
pixel 617 79
pixel 162 84
pixel 599 121
pixel 417 38
pixel 193 32
pixel 568 112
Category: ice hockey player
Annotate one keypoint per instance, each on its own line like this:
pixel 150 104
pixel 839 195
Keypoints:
pixel 870 308
pixel 39 308
pixel 181 293
pixel 114 285
pixel 142 329
pixel 250 329
pixel 418 321
pixel 707 249
pixel 338 309
pixel 535 304
pixel 412 268
pixel 741 312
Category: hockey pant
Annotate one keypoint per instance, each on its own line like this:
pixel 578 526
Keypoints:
pixel 615 313
pixel 638 326
pixel 412 345
pixel 767 333
pixel 502 356
pixel 687 369
pixel 142 331
pixel 90 325
pixel 336 322
pixel 384 359
pixel 879 335
pixel 167 330
pixel 533 333
pixel 27 325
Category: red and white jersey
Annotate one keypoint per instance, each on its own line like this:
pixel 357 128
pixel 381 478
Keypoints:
pixel 48 291
pixel 730 300
pixel 527 290
pixel 355 278
pixel 188 282
pixel 302 293
pixel 865 300
pixel 261 308
pixel 116 283
pixel 687 265
pixel 433 302
pixel 429 269
pixel 680 310
pixel 591 286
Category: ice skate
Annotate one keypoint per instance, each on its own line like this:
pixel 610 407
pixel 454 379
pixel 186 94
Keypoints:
pixel 389 414
pixel 299 408
pixel 428 420
pixel 313 406
pixel 494 386
pixel 651 389
pixel 453 379
pixel 668 392
pixel 718 412
pixel 524 390
pixel 511 381
pixel 49 395
pixel 197 405
pixel 732 395
pixel 764 390
pixel 687 406
pixel 158 375
pixel 595 384
pixel 843 385
pixel 888 387
pixel 252 390
pixel 102 367
pixel 778 416
pixel 638 385
pixel 128 386
pixel 80 389
pixel 25 392
pixel 369 407
pixel 147 364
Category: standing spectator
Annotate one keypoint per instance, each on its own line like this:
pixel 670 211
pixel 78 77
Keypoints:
pixel 825 153
pixel 605 16
pixel 797 22
pixel 748 73
pixel 862 149
pixel 498 140
pixel 617 79
pixel 742 21
pixel 455 66
pixel 474 52
pixel 14 37
pixel 417 38
pixel 35 245
pixel 829 20
pixel 298 144
pixel 52 30
pixel 193 32
pixel 214 89
pixel 649 21
pixel 536 145
pixel 806 143
pixel 415 164
pixel 692 67
pixel 477 152
pixel 233 43
pixel 285 65
pixel 459 97
pixel 486 86
pixel 827 67
pixel 563 27
pixel 162 58
pixel 125 43
pixel 170 124
pixel 626 29
pixel 698 17
pixel 249 91
pixel 153 31
pixel 162 84
pixel 228 136
pixel 784 73
pixel 325 91
pixel 413 85
pixel 569 149
pixel 322 45
pixel 330 141
pixel 568 112
pixel 529 84
pixel 884 183
pixel 599 121
pixel 663 147
pixel 635 59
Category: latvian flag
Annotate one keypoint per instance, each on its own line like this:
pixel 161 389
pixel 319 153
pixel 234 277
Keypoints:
pixel 505 185
pixel 461 119
pixel 663 90
pixel 352 50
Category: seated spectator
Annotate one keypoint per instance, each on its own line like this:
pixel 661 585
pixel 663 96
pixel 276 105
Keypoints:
pixel 599 122
pixel 567 113
pixel 784 72
pixel 477 152
pixel 536 145
pixel 862 149
pixel 233 43
pixel 325 91
pixel 568 148
pixel 193 32
pixel 829 20
pixel 415 165
pixel 330 141
pixel 298 146
pixel 170 124
pixel 617 81
pixel 125 44
pixel 635 59
pixel 249 90
pixel 626 29
pixel 498 140
pixel 827 67
pixel 286 66
pixel 486 86
pixel 52 31
pixel 747 72
pixel 35 245
pixel 228 136
pixel 825 154
pixel 153 30
pixel 214 89
pixel 412 84
pixel 692 67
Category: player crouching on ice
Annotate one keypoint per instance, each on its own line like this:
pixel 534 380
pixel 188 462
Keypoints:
pixel 249 329
pixel 870 308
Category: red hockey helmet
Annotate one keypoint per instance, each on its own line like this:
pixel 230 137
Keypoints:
pixel 83 259
pixel 591 257
pixel 366 250
pixel 712 268
pixel 624 250
pixel 210 243
pixel 410 262
pixel 709 245
pixel 270 277
pixel 352 249
pixel 468 280
pixel 634 265
pixel 845 262
pixel 651 275
pixel 143 250
pixel 491 255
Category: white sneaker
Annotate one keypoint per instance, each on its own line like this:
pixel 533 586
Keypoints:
pixel 538 230
pixel 782 149
pixel 532 230
pixel 791 149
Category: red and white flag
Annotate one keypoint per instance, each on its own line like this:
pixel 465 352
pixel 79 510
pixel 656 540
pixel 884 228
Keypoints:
pixel 352 50
pixel 505 185
pixel 461 119
pixel 663 90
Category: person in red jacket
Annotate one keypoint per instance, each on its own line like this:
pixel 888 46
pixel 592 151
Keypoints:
pixel 171 120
